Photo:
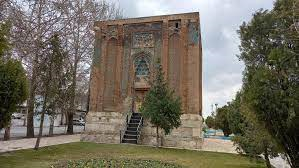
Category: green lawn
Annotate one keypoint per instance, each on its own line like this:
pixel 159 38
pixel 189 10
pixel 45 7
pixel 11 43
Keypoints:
pixel 47 156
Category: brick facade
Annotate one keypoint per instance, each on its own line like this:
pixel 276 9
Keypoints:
pixel 125 53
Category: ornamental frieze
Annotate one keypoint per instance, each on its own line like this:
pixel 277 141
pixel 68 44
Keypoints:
pixel 111 32
pixel 143 27
pixel 143 40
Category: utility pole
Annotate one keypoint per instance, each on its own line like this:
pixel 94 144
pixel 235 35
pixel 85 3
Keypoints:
pixel 216 105
pixel 213 114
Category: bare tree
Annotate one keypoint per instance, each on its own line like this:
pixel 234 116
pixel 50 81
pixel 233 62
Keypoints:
pixel 33 24
pixel 78 34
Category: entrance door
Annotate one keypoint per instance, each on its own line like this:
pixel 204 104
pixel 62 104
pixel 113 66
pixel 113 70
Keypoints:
pixel 138 99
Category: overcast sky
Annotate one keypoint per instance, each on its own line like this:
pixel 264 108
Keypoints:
pixel 220 19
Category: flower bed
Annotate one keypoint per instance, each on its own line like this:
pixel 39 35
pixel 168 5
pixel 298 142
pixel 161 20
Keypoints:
pixel 115 163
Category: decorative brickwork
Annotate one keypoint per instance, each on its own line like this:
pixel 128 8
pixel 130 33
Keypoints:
pixel 126 51
pixel 141 40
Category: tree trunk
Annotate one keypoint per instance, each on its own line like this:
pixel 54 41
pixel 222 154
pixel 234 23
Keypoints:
pixel 40 131
pixel 24 122
pixel 226 134
pixel 40 134
pixel 157 131
pixel 70 128
pixel 7 133
pixel 266 155
pixel 51 129
pixel 72 99
pixel 31 101
pixel 61 119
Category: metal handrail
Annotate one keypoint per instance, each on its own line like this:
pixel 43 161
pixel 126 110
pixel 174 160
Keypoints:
pixel 138 131
pixel 122 132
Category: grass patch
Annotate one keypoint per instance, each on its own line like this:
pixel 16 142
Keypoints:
pixel 72 152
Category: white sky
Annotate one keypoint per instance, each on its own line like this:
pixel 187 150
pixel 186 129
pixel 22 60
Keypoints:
pixel 220 19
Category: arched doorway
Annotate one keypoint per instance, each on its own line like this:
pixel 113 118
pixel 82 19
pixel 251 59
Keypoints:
pixel 141 79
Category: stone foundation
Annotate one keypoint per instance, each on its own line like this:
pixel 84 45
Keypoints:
pixel 187 136
pixel 104 127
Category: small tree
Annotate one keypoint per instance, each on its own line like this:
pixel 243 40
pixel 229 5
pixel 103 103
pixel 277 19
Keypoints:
pixel 52 79
pixel 13 82
pixel 161 107
pixel 210 121
pixel 13 89
pixel 222 121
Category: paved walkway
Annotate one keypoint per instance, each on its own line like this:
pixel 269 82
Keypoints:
pixel 218 145
pixel 226 146
pixel 17 132
pixel 28 143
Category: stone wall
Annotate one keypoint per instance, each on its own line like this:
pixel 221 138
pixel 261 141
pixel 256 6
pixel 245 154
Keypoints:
pixel 187 136
pixel 105 127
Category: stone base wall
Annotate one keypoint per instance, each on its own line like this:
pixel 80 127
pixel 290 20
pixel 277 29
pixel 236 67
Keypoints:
pixel 187 136
pixel 104 127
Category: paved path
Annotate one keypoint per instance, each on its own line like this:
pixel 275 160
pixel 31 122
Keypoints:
pixel 28 143
pixel 226 146
pixel 218 145
pixel 17 132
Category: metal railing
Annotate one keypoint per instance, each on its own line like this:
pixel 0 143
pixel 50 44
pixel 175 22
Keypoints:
pixel 138 129
pixel 122 132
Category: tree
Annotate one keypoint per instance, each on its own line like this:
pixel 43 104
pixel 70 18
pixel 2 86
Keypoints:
pixel 222 121
pixel 33 24
pixel 251 136
pixel 78 35
pixel 13 82
pixel 4 41
pixel 161 107
pixel 58 74
pixel 269 49
pixel 236 119
pixel 53 76
pixel 210 121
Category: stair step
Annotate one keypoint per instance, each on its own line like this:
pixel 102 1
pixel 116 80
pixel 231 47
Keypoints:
pixel 128 132
pixel 131 141
pixel 132 128
pixel 135 118
pixel 131 133
pixel 133 125
pixel 134 121
pixel 128 136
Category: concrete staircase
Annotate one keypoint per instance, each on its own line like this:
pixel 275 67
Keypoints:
pixel 132 132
